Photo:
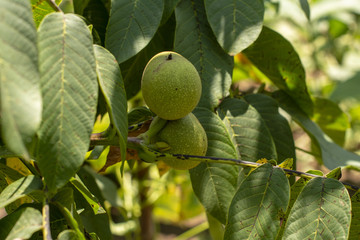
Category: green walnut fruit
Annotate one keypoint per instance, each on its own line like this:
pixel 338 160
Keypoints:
pixel 171 85
pixel 184 136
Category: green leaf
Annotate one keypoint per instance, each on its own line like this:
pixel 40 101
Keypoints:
pixel 195 41
pixel 88 196
pixel 331 119
pixel 20 224
pixel 322 210
pixel 96 13
pixel 305 7
pixel 169 7
pixel 249 131
pixel 276 123
pixel 41 8
pixel 20 188
pixel 296 189
pixel 132 24
pixel 332 154
pixel 70 90
pixel 273 55
pixel 257 206
pixel 355 213
pixel 68 235
pixel 215 183
pixel 112 87
pixel 236 24
pixel 133 68
pixel 20 96
pixel 139 114
pixel 347 90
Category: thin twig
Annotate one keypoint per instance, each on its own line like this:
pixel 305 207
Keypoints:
pixel 54 5
pixel 136 143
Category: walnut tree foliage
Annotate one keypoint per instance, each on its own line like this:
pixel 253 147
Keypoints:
pixel 65 64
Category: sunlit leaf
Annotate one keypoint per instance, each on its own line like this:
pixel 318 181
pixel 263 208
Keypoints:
pixel 195 41
pixel 132 25
pixel 273 55
pixel 41 8
pixel 236 24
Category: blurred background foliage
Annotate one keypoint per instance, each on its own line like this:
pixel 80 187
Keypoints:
pixel 326 35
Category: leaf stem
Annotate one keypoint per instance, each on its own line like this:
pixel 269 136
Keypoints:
pixel 46 220
pixel 138 144
pixel 54 5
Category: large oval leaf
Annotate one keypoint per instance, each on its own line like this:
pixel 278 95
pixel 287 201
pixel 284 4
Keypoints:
pixel 236 24
pixel 322 211
pixel 69 87
pixel 276 123
pixel 256 209
pixel 112 87
pixel 195 40
pixel 20 96
pixel 215 183
pixel 278 60
pixel 249 131
pixel 132 24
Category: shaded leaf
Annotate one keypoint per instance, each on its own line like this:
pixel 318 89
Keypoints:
pixel 322 210
pixel 273 55
pixel 258 204
pixel 132 24
pixel 20 188
pixel 215 183
pixel 332 154
pixel 195 41
pixel 101 186
pixel 276 123
pixel 295 190
pixel 169 7
pixel 133 68
pixel 355 216
pixel 139 114
pixel 96 13
pixel 236 24
pixel 248 130
pixel 112 87
pixel 21 224
pixel 41 8
pixel 69 88
pixel 19 77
